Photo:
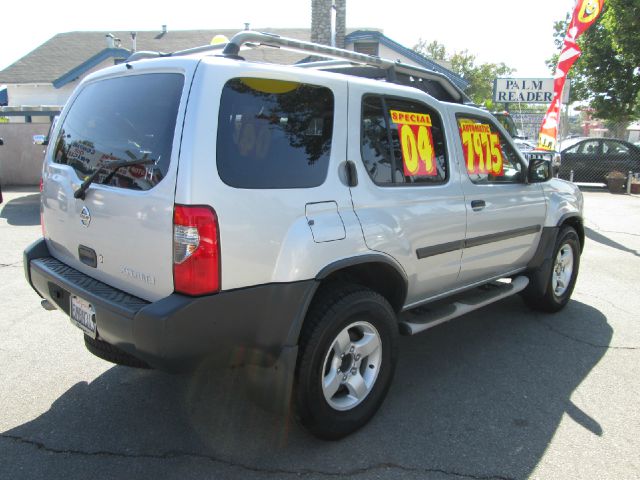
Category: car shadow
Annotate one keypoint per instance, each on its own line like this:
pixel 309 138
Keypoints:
pixel 481 397
pixel 22 211
pixel 604 240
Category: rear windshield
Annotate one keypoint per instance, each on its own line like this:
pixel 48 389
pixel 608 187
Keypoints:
pixel 274 134
pixel 122 119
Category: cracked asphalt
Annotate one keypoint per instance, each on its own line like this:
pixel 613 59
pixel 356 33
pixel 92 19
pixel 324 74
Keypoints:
pixel 502 393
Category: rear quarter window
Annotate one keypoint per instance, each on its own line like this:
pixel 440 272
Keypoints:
pixel 274 134
pixel 122 119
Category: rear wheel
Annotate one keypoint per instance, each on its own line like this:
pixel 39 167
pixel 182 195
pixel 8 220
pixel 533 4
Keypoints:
pixel 346 360
pixel 562 279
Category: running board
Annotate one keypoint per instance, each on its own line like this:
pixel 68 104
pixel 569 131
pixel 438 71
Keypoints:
pixel 473 300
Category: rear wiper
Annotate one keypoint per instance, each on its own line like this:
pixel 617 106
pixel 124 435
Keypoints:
pixel 81 191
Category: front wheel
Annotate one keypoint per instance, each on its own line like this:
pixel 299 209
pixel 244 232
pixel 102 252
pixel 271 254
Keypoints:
pixel 564 272
pixel 346 360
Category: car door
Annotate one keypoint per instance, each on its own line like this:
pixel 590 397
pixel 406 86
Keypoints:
pixel 408 197
pixel 583 162
pixel 505 214
pixel 620 156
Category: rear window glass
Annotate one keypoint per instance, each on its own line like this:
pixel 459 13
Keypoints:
pixel 274 134
pixel 122 119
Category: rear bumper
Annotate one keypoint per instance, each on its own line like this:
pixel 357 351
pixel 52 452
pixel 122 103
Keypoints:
pixel 257 325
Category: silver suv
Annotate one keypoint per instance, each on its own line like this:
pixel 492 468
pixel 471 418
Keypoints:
pixel 195 203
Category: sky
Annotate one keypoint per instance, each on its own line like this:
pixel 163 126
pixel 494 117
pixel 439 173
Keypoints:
pixel 516 32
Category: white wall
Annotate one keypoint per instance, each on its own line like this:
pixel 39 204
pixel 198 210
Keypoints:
pixel 38 94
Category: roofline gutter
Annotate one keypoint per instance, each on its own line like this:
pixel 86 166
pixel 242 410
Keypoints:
pixel 88 64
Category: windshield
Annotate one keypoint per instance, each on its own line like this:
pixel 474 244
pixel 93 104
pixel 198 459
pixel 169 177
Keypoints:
pixel 122 119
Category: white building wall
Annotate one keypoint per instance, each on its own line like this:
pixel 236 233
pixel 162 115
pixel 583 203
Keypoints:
pixel 38 94
pixel 386 52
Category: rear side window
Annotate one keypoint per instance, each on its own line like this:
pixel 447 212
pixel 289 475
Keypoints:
pixel 402 142
pixel 274 134
pixel 122 119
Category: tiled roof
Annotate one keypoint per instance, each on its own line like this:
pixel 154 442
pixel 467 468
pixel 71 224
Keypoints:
pixel 66 51
pixel 67 56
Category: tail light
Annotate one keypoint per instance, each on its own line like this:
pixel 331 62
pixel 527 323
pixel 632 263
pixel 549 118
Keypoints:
pixel 196 250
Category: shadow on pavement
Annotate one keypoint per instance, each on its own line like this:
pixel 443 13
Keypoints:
pixel 481 396
pixel 22 211
pixel 604 240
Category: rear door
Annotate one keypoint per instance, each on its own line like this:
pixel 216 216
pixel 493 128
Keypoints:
pixel 408 198
pixel 121 232
pixel 619 156
pixel 584 159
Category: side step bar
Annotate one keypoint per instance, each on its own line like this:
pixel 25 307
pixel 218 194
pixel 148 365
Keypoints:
pixel 473 300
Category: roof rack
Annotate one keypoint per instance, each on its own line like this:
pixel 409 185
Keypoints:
pixel 435 83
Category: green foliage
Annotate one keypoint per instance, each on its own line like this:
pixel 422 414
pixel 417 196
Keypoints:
pixel 479 76
pixel 434 50
pixel 607 75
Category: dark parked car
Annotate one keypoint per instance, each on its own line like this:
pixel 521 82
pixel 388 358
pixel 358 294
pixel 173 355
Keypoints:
pixel 591 159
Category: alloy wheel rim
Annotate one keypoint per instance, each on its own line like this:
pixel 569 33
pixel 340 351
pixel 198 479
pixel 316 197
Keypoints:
pixel 562 270
pixel 351 366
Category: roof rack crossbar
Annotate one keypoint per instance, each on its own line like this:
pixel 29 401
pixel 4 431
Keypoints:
pixel 253 39
pixel 269 39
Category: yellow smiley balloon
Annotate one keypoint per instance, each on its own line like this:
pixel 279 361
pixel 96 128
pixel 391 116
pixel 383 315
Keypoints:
pixel 588 11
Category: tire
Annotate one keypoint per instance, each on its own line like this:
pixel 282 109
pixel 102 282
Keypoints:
pixel 559 282
pixel 350 336
pixel 112 354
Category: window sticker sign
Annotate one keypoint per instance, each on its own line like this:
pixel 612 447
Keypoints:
pixel 481 148
pixel 253 139
pixel 416 142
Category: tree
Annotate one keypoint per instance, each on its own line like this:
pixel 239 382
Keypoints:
pixel 434 50
pixel 480 77
pixel 607 75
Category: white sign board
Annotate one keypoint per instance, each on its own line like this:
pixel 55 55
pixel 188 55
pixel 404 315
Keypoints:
pixel 526 90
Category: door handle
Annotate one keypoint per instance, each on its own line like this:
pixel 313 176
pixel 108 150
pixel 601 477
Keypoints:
pixel 352 173
pixel 478 205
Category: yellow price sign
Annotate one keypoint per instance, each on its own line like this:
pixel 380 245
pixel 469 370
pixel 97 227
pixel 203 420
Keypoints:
pixel 416 141
pixel 481 148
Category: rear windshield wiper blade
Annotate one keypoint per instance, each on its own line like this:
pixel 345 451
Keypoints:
pixel 114 166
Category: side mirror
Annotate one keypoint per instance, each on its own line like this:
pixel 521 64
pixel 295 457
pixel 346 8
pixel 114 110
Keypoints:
pixel 40 140
pixel 540 170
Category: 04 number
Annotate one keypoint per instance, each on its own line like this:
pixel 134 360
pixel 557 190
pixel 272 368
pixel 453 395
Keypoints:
pixel 417 148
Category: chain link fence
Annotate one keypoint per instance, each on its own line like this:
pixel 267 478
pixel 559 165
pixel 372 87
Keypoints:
pixel 592 151
pixel 604 154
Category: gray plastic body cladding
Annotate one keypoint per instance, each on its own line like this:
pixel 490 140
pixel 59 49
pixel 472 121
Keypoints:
pixel 252 325
pixel 542 261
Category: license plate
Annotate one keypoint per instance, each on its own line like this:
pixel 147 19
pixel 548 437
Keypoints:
pixel 83 316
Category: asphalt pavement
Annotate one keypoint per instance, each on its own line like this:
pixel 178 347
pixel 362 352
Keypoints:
pixel 501 393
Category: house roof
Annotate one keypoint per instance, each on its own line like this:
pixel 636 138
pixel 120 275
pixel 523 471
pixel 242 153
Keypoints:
pixel 64 53
pixel 67 56
pixel 377 36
